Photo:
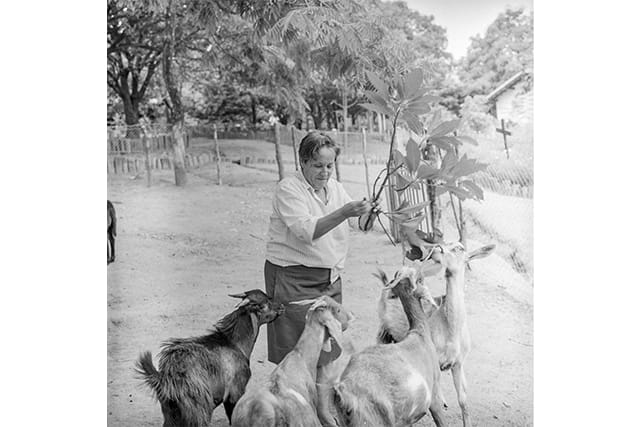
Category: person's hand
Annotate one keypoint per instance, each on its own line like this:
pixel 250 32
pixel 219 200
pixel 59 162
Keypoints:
pixel 356 208
pixel 366 220
pixel 375 208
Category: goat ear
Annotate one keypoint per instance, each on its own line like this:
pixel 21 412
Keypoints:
pixel 481 253
pixel 382 276
pixel 423 292
pixel 241 296
pixel 335 330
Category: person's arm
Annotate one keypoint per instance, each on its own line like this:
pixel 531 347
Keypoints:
pixel 335 218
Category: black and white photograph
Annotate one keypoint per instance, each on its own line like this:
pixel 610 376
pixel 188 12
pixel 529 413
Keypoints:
pixel 320 213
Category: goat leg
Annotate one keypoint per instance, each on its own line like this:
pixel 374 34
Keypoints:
pixel 325 398
pixel 460 383
pixel 437 407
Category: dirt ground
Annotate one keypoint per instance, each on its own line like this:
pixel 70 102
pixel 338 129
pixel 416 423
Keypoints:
pixel 180 251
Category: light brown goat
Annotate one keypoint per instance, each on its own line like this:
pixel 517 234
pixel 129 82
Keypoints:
pixel 393 384
pixel 448 323
pixel 289 397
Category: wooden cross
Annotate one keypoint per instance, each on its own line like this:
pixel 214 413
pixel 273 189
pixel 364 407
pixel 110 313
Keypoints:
pixel 504 133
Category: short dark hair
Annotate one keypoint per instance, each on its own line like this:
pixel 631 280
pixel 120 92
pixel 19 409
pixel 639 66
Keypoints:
pixel 313 142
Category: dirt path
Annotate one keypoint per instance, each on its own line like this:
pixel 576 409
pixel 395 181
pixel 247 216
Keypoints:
pixel 180 251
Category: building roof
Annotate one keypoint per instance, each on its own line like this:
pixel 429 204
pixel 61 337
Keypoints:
pixel 506 85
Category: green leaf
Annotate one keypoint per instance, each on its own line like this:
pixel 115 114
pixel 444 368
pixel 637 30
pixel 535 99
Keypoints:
pixel 402 183
pixel 398 157
pixel 466 166
pixel 377 108
pixel 445 140
pixel 413 156
pixel 467 139
pixel 413 223
pixel 413 122
pixel 377 99
pixel 435 236
pixel 413 81
pixel 448 162
pixel 412 209
pixel 435 120
pixel 445 128
pixel 419 107
pixel 440 144
pixel 426 171
pixel 381 87
pixel 461 193
pixel 473 189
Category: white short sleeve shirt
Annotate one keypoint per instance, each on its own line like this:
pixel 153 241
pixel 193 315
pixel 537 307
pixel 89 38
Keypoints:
pixel 296 210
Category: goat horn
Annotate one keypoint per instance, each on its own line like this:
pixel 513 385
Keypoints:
pixel 241 296
pixel 303 301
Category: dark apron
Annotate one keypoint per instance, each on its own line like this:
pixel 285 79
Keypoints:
pixel 295 283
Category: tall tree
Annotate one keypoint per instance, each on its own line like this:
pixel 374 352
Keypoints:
pixel 134 50
pixel 505 49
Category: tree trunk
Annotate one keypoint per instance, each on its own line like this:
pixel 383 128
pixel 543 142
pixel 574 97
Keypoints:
pixel 131 114
pixel 176 112
pixel 434 202
pixel 254 113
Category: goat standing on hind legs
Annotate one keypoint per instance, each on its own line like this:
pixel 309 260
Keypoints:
pixel 111 233
pixel 289 397
pixel 393 385
pixel 448 322
pixel 196 374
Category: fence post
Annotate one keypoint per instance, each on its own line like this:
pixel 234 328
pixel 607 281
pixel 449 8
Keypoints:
pixel 215 143
pixel 147 166
pixel 335 139
pixel 295 149
pixel 364 157
pixel 278 158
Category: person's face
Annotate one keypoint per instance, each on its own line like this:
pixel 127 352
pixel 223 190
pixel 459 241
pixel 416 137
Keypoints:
pixel 318 170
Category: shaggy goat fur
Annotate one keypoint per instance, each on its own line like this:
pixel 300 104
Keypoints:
pixel 196 374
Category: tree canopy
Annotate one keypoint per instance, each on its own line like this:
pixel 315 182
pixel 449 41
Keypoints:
pixel 505 49
pixel 236 60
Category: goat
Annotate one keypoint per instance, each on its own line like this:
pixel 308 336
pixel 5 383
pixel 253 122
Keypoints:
pixel 448 323
pixel 111 233
pixel 393 321
pixel 289 396
pixel 327 377
pixel 393 384
pixel 197 374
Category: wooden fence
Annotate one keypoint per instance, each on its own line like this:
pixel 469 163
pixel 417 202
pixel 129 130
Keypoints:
pixel 157 143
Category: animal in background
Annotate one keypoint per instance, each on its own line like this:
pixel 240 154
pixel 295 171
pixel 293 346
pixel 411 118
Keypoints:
pixel 111 232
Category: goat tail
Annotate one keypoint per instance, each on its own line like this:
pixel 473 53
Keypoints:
pixel 149 373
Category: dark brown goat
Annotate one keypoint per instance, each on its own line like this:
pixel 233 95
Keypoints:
pixel 197 374
pixel 111 233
